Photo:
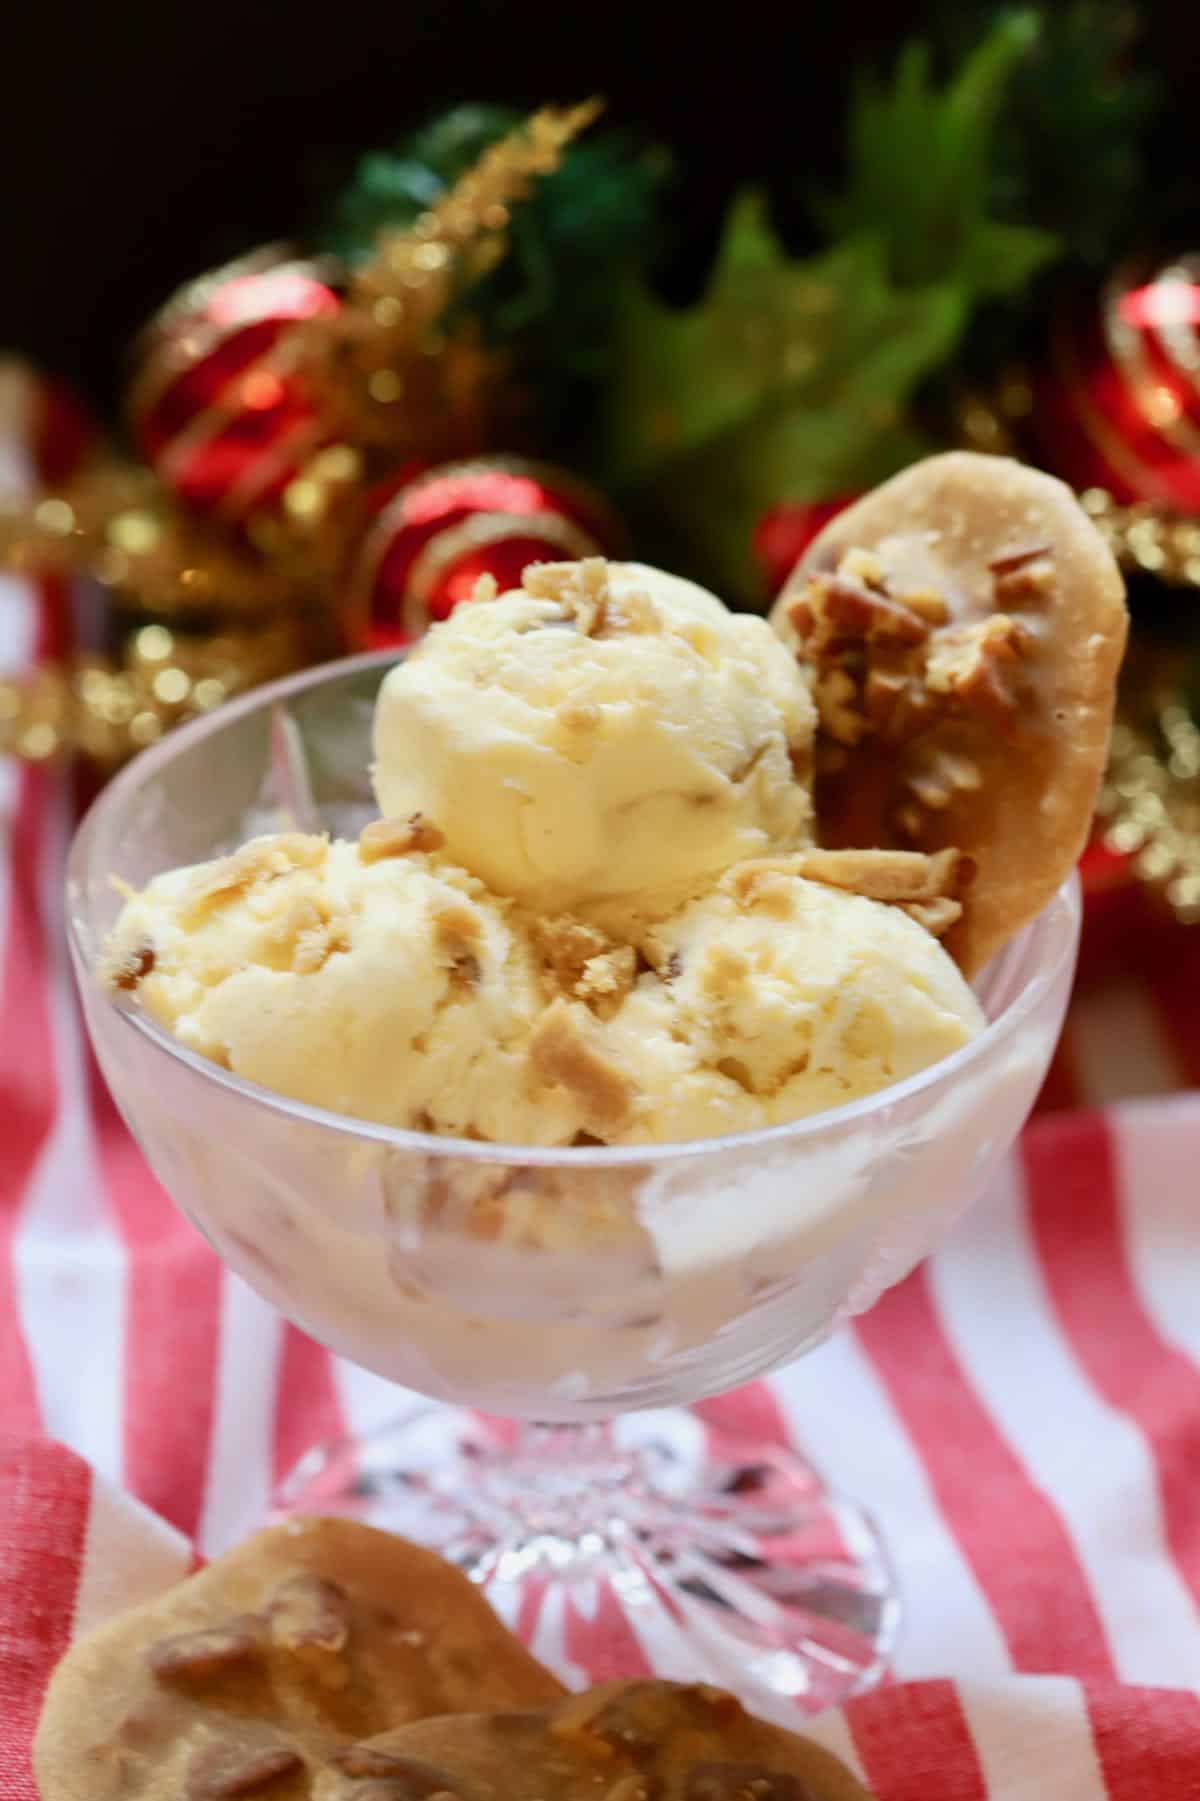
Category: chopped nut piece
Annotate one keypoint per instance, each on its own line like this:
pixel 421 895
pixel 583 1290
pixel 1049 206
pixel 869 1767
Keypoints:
pixel 396 837
pixel 583 592
pixel 580 589
pixel 568 944
pixel 1024 575
pixel 743 1782
pixel 890 666
pixel 566 1047
pixel 609 977
pixel 927 887
pixel 260 861
pixel 413 1778
pixel 457 935
pixel 926 604
pixel 1010 561
pixel 723 972
pixel 835 611
pixel 836 695
pixel 975 662
pixel 764 885
pixel 629 1723
pixel 303 934
pixel 938 776
pixel 1026 585
pixel 583 960
pixel 862 566
pixel 883 875
pixel 937 916
pixel 128 968
pixel 193 1657
pixel 310 1614
pixel 224 1772
pixel 579 716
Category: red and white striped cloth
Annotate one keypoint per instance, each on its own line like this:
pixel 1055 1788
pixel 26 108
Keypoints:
pixel 1023 1413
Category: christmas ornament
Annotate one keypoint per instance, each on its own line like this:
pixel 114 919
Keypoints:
pixel 436 531
pixel 46 420
pixel 1150 803
pixel 107 708
pixel 1116 400
pixel 785 532
pixel 266 401
pixel 220 407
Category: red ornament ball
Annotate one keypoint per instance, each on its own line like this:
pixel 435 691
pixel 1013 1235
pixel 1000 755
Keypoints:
pixel 218 407
pixel 1116 403
pixel 785 532
pixel 436 531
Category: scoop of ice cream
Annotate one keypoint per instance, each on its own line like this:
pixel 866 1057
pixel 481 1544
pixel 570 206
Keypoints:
pixel 606 730
pixel 365 978
pixel 769 998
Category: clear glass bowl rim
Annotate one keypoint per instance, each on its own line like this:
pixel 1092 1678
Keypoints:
pixel 145 766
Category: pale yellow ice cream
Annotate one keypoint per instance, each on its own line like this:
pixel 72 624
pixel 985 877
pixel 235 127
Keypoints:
pixel 774 998
pixel 607 730
pixel 394 989
pixel 577 920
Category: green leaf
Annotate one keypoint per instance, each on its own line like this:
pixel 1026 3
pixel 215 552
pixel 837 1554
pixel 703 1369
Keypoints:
pixel 1003 259
pixel 919 167
pixel 1068 151
pixel 788 380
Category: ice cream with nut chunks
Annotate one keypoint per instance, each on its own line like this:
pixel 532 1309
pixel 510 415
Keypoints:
pixel 592 910
pixel 606 730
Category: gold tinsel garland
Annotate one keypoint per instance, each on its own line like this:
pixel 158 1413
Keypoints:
pixel 206 615
pixel 1149 804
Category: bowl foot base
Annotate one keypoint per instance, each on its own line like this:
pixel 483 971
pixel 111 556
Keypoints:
pixel 658 1544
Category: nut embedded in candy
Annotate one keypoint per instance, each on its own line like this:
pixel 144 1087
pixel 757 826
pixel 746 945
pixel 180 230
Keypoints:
pixel 965 623
pixel 305 1640
pixel 624 1741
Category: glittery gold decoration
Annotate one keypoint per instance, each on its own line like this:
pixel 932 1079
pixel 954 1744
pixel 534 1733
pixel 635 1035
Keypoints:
pixel 1145 537
pixel 394 376
pixel 208 611
pixel 1149 806
pixel 1142 536
pixel 1150 802
pixel 107 710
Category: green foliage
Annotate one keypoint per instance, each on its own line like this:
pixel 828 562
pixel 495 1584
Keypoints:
pixel 1069 154
pixel 920 166
pixel 550 302
pixel 788 380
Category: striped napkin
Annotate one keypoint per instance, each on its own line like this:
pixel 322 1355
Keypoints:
pixel 1023 1413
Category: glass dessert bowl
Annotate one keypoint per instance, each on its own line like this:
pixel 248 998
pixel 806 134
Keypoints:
pixel 558 1287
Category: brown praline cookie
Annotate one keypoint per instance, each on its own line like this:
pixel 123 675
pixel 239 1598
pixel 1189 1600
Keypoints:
pixel 246 1678
pixel 964 624
pixel 622 1741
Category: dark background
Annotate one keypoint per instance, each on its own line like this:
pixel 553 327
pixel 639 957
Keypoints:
pixel 140 144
